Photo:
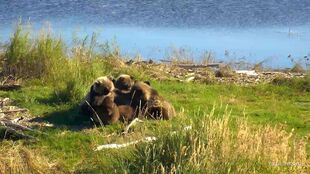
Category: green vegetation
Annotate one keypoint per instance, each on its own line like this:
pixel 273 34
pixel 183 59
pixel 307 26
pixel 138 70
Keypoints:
pixel 233 129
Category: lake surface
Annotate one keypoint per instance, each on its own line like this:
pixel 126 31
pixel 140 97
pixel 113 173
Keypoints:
pixel 251 30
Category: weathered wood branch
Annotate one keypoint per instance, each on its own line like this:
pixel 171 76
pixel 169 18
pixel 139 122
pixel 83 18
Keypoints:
pixel 16 126
pixel 8 123
pixel 134 122
pixel 15 110
pixel 10 87
pixel 118 146
pixel 10 133
pixel 191 66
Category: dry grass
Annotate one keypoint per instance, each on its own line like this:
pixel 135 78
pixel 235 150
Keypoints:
pixel 180 56
pixel 297 68
pixel 225 71
pixel 223 145
pixel 207 57
pixel 17 158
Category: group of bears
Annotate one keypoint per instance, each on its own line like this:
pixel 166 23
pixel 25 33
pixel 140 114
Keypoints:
pixel 123 99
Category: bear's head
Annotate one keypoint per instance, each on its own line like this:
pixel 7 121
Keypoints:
pixel 124 82
pixel 102 86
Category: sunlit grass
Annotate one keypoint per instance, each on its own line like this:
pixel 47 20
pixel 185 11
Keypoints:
pixel 214 145
pixel 262 130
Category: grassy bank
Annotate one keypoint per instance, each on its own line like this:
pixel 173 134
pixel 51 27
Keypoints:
pixel 218 129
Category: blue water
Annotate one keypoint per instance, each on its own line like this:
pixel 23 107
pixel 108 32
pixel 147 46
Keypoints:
pixel 254 30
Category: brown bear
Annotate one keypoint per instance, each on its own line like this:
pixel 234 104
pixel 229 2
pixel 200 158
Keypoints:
pixel 99 102
pixel 127 113
pixel 146 101
pixel 124 82
pixel 122 90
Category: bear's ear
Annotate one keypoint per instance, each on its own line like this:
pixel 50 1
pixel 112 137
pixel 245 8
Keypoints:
pixel 111 78
pixel 92 88
pixel 132 78
pixel 114 81
pixel 147 82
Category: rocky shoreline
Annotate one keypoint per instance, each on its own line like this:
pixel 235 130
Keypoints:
pixel 210 73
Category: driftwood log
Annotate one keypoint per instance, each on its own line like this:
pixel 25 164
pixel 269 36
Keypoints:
pixel 10 133
pixel 192 66
pixel 118 146
pixel 9 87
pixel 12 130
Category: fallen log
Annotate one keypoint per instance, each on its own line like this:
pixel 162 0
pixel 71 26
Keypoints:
pixel 14 125
pixel 10 87
pixel 10 133
pixel 8 123
pixel 118 146
pixel 191 66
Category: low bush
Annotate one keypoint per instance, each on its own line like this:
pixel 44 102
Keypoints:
pixel 301 84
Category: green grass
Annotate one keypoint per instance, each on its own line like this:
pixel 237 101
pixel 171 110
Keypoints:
pixel 237 129
pixel 73 148
pixel 262 104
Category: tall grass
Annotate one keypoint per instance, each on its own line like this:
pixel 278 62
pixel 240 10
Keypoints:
pixel 221 145
pixel 16 158
pixel 46 58
pixel 33 58
pixel 17 52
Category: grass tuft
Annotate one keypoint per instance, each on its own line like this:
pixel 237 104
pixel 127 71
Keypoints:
pixel 16 158
pixel 214 145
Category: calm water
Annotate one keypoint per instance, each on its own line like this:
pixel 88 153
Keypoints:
pixel 254 30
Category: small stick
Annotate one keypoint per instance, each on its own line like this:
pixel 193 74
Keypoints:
pixel 20 134
pixel 110 135
pixel 9 87
pixel 134 122
pixel 11 124
pixel 8 123
pixel 100 121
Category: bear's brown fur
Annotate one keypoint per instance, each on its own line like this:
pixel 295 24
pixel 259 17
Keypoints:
pixel 123 86
pixel 127 113
pixel 159 108
pixel 122 91
pixel 101 100
pixel 124 82
pixel 146 101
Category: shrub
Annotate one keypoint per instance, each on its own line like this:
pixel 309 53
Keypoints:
pixel 301 84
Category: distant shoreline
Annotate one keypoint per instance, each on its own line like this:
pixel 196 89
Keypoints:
pixel 270 45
